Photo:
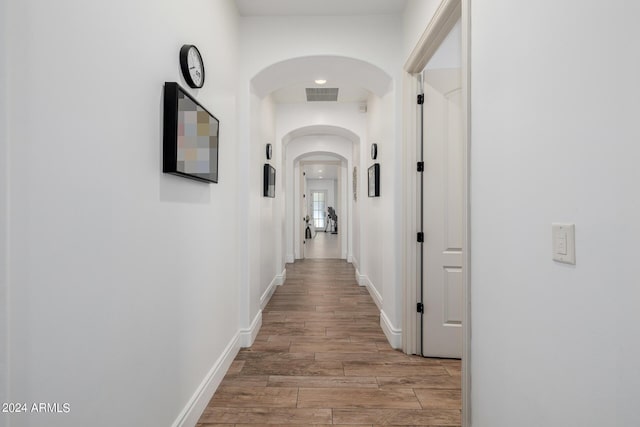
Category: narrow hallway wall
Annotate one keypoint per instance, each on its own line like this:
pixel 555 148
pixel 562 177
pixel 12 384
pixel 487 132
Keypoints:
pixel 4 220
pixel 123 280
pixel 555 139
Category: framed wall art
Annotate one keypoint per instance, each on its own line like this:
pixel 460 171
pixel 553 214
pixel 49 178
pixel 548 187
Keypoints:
pixel 190 137
pixel 374 180
pixel 269 181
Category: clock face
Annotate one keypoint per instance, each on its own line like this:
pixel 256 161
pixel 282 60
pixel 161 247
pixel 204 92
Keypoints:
pixel 196 71
pixel 192 66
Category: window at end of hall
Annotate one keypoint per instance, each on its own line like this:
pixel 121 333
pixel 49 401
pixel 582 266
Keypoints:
pixel 318 208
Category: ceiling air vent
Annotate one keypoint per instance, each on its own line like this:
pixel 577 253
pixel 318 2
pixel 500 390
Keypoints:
pixel 322 94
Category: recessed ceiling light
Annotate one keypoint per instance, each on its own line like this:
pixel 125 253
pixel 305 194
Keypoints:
pixel 320 171
pixel 320 81
pixel 319 177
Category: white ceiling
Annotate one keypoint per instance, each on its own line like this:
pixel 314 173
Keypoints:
pixel 319 171
pixel 354 79
pixel 319 7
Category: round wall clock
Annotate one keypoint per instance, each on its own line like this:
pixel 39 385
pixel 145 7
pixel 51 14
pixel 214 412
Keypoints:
pixel 192 66
pixel 374 151
pixel 269 151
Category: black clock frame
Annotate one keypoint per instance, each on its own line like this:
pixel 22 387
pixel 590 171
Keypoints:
pixel 184 66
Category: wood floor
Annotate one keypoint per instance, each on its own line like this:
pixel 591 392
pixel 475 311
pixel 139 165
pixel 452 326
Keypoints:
pixel 322 245
pixel 321 358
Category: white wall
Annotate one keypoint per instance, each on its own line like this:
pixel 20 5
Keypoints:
pixel 123 280
pixel 290 117
pixel 270 227
pixel 449 54
pixel 4 235
pixel 267 40
pixel 355 205
pixel 416 17
pixel 380 260
pixel 555 139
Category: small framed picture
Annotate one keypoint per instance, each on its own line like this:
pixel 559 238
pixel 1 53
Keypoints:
pixel 269 181
pixel 374 180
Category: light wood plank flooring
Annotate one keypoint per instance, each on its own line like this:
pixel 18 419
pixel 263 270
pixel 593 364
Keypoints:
pixel 321 358
pixel 323 245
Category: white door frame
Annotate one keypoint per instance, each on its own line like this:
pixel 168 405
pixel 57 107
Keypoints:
pixel 441 24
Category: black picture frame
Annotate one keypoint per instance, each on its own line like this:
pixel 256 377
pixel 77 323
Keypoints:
pixel 374 180
pixel 190 141
pixel 269 181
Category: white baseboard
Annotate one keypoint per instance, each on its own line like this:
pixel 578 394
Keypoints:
pixel 393 334
pixel 355 262
pixel 203 394
pixel 290 259
pixel 248 336
pixel 375 295
pixel 266 296
pixel 282 277
pixel 350 259
pixel 278 280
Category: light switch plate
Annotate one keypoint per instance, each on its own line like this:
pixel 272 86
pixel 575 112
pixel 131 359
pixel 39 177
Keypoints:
pixel 563 238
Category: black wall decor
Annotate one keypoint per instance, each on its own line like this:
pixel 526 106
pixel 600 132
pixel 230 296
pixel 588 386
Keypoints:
pixel 374 180
pixel 190 136
pixel 269 181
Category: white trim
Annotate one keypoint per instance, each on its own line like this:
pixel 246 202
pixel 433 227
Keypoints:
pixel 441 24
pixel 290 259
pixel 466 215
pixel 282 277
pixel 189 416
pixel 278 280
pixel 393 334
pixel 375 295
pixel 248 336
pixel 266 296
pixel 410 318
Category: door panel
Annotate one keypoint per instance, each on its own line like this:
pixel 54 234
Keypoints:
pixel 442 207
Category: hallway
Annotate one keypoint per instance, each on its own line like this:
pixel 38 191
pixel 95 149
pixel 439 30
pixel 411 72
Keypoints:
pixel 322 358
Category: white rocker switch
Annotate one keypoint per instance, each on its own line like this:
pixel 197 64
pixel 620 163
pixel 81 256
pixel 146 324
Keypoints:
pixel 564 246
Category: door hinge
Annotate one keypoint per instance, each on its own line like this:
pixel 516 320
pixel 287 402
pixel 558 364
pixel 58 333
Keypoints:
pixel 420 237
pixel 420 166
pixel 420 308
pixel 421 99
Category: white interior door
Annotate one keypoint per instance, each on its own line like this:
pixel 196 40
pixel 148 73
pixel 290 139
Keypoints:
pixel 443 208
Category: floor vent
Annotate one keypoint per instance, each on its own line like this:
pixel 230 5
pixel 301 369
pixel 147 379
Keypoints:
pixel 322 94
